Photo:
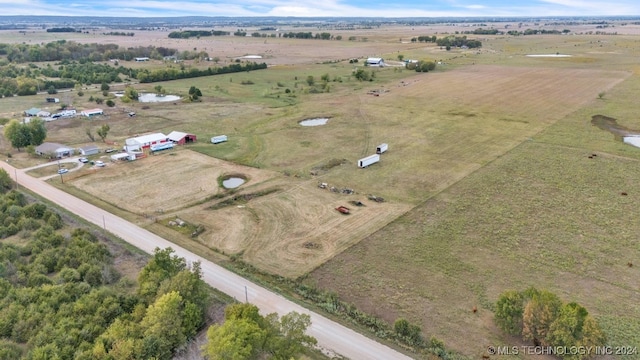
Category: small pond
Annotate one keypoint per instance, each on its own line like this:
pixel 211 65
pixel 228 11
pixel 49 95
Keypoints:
pixel 314 122
pixel 150 97
pixel 232 182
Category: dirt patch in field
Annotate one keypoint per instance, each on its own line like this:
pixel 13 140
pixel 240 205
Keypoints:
pixel 163 182
pixel 291 232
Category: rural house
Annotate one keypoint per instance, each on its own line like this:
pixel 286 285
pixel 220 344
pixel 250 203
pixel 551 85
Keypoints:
pixel 53 150
pixel 181 138
pixel 89 150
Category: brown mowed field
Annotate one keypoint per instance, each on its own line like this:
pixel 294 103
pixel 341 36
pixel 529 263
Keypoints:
pixel 291 232
pixel 164 182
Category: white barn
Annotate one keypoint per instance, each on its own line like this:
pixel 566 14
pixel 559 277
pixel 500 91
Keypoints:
pixel 144 142
pixel 375 62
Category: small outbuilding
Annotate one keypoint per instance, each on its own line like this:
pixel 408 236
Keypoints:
pixel 89 150
pixel 375 62
pixel 92 112
pixel 53 150
pixel 32 112
pixel 181 138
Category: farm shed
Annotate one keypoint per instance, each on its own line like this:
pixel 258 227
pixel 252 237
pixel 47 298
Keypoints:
pixel 32 112
pixel 53 150
pixel 181 138
pixel 89 150
pixel 123 156
pixel 375 62
pixel 92 112
pixel 144 141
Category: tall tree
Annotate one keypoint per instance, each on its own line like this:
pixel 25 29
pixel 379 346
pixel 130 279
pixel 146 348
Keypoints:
pixel 236 339
pixel 509 310
pixel 538 315
pixel 103 131
pixel 5 185
pixel 18 135
pixel 163 324
pixel 38 131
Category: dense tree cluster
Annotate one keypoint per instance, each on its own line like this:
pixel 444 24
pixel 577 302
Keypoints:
pixel 245 334
pixel 21 135
pixel 541 317
pixel 458 41
pixel 70 50
pixel 60 296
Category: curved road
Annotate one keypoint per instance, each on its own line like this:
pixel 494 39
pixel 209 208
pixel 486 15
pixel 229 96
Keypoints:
pixel 330 335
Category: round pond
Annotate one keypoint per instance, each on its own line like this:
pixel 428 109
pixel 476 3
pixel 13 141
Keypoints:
pixel 232 182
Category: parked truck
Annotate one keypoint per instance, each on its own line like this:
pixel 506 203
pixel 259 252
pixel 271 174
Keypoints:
pixel 369 160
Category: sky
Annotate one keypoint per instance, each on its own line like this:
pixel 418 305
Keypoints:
pixel 322 8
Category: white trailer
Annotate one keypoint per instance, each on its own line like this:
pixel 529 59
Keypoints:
pixel 371 159
pixel 381 148
pixel 218 139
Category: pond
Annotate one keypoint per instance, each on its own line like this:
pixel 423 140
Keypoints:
pixel 314 122
pixel 150 97
pixel 621 133
pixel 232 182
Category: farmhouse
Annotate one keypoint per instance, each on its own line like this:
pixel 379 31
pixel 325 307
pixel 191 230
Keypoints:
pixel 89 150
pixel 92 112
pixel 144 142
pixel 53 150
pixel 375 62
pixel 181 138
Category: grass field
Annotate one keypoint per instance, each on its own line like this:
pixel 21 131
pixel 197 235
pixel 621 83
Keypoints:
pixel 488 181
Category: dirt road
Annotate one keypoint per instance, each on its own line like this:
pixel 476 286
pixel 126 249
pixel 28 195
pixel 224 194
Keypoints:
pixel 330 335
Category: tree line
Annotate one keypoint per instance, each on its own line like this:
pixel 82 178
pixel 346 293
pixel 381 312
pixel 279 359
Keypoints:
pixel 147 76
pixel 196 33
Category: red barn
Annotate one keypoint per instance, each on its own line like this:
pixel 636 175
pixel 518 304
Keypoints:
pixel 181 138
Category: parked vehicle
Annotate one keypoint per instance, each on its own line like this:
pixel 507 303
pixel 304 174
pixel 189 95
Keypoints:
pixel 62 171
pixel 343 209
pixel 99 163
pixel 83 160
pixel 109 150
pixel 381 148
